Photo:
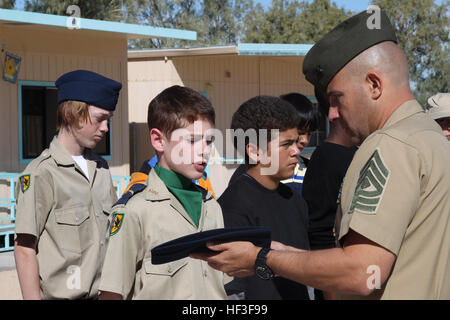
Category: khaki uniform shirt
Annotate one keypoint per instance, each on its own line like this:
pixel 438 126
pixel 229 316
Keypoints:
pixel 68 214
pixel 152 217
pixel 397 193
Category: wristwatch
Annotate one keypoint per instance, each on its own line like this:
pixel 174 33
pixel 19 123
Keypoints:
pixel 261 268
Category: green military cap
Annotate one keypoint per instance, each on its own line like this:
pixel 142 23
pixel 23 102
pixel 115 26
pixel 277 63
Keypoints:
pixel 343 43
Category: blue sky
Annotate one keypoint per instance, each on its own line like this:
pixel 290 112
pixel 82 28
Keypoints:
pixel 354 5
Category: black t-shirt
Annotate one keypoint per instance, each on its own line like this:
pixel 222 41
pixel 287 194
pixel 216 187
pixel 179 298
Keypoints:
pixel 321 185
pixel 247 203
pixel 237 173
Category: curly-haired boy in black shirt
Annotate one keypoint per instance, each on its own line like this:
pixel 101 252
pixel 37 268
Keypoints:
pixel 257 198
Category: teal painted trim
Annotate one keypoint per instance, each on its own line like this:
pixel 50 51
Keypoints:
pixel 37 83
pixel 95 25
pixel 7 245
pixel 8 175
pixel 308 150
pixel 7 230
pixel 134 29
pixel 273 49
pixel 120 188
pixel 313 99
pixel 11 201
pixel 207 169
pixel 226 160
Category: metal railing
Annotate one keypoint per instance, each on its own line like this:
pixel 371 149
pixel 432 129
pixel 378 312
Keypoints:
pixel 7 224
pixel 7 229
pixel 121 183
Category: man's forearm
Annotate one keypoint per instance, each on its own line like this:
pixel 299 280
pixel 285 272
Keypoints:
pixel 350 269
pixel 28 272
pixel 328 270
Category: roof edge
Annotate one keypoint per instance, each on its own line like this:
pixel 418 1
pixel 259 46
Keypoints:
pixel 156 53
pixel 273 49
pixel 243 49
pixel 131 30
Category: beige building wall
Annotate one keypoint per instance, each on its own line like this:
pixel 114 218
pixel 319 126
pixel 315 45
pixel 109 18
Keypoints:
pixel 229 80
pixel 46 54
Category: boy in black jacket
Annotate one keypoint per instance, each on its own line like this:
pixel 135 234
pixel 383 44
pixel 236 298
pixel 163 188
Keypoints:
pixel 257 198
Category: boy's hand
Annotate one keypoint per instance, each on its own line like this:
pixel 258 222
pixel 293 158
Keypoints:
pixel 236 259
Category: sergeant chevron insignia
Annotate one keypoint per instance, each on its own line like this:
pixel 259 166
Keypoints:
pixel 370 186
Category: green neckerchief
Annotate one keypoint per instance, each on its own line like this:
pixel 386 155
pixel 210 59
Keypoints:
pixel 184 190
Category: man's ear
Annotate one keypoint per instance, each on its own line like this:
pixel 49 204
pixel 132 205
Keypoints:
pixel 157 139
pixel 252 153
pixel 375 85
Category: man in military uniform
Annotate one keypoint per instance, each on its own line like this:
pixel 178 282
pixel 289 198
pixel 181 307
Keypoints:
pixel 65 196
pixel 394 212
pixel 438 107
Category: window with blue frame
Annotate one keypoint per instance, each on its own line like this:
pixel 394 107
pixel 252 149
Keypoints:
pixel 37 120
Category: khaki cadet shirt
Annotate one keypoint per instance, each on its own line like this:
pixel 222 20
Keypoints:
pixel 152 217
pixel 397 193
pixel 69 217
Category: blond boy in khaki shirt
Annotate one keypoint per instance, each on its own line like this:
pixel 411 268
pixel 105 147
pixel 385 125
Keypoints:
pixel 65 195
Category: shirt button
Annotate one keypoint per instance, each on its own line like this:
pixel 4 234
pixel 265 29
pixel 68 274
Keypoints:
pixel 102 243
pixel 205 274
pixel 169 269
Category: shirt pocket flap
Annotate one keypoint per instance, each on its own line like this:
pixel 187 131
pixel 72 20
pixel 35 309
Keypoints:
pixel 166 269
pixel 74 216
pixel 107 209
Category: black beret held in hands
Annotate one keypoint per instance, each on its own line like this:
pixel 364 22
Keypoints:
pixel 181 247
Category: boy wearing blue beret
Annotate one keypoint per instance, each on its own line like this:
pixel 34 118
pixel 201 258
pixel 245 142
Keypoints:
pixel 167 207
pixel 65 194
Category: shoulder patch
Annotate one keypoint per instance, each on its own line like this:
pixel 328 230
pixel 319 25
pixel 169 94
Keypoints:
pixel 135 188
pixel 371 184
pixel 25 182
pixel 116 223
